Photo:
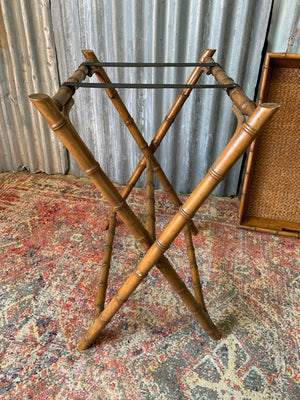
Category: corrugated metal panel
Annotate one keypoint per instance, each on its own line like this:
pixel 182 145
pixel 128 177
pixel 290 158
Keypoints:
pixel 126 30
pixel 28 64
pixel 161 31
pixel 284 34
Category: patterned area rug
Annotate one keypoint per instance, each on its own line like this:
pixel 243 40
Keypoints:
pixel 51 251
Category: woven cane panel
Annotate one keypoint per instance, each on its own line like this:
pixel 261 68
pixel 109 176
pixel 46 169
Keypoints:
pixel 275 187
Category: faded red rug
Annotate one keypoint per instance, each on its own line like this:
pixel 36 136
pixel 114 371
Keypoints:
pixel 50 253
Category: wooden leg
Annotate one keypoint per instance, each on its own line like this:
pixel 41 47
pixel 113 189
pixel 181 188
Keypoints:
pixel 150 202
pixel 100 301
pixel 193 266
pixel 198 311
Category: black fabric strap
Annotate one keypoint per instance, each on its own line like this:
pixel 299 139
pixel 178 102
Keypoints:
pixel 145 65
pixel 73 85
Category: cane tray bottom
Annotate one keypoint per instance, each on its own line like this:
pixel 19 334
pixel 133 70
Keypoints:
pixel 271 193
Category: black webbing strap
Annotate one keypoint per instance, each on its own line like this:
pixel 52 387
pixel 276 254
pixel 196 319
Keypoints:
pixel 145 65
pixel 73 85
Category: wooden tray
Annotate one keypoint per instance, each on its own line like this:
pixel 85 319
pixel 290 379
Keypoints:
pixel 270 199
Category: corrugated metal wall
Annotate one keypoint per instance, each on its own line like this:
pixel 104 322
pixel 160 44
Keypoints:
pixel 28 64
pixel 41 42
pixel 284 35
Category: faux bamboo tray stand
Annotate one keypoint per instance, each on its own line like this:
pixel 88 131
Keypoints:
pixel 270 200
pixel 56 110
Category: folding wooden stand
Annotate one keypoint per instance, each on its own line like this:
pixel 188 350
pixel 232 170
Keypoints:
pixel 55 110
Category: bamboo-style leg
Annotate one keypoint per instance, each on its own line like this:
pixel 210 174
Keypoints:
pixel 194 267
pixel 236 147
pixel 196 308
pixel 166 124
pixel 150 202
pixel 100 301
pixel 70 138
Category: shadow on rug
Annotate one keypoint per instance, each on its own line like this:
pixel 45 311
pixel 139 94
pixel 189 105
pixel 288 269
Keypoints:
pixel 51 251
